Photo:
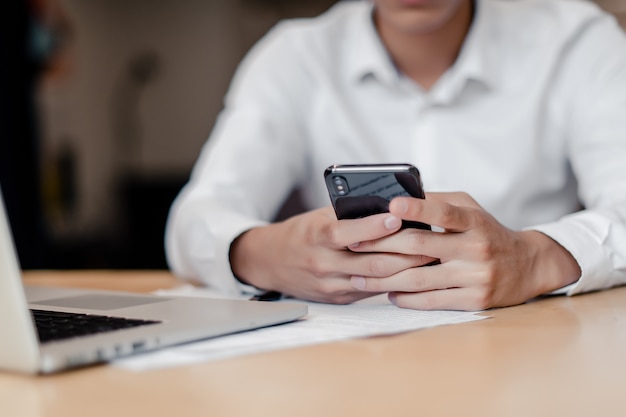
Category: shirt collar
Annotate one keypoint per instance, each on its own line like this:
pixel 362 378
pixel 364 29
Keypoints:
pixel 367 54
pixel 474 62
pixel 369 58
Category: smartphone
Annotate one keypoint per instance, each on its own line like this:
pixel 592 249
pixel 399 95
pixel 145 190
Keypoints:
pixel 362 190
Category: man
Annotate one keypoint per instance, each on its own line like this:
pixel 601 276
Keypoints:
pixel 518 104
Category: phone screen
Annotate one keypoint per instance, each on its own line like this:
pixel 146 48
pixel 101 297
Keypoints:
pixel 361 190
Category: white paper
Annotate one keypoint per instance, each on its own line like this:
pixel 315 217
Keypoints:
pixel 324 323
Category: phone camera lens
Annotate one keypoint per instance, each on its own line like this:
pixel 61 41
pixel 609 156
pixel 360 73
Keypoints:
pixel 341 186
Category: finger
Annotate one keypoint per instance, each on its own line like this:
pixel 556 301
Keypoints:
pixel 343 233
pixel 427 244
pixel 344 264
pixel 467 299
pixel 457 199
pixel 335 290
pixel 434 212
pixel 428 278
pixel 380 264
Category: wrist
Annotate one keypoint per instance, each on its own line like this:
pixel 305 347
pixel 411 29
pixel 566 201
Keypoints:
pixel 242 259
pixel 553 266
pixel 237 258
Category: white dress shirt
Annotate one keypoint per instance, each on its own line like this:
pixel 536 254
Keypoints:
pixel 530 121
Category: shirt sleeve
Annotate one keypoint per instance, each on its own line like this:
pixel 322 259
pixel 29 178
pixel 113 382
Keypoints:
pixel 593 80
pixel 231 189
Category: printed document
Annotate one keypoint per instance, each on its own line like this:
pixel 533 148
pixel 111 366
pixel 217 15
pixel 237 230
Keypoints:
pixel 324 323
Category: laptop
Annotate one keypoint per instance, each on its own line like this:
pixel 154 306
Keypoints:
pixel 46 329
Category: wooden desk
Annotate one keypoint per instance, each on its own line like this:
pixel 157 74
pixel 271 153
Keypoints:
pixel 553 357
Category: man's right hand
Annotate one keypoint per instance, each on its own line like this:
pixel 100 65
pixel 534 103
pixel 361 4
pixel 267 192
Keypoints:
pixel 308 256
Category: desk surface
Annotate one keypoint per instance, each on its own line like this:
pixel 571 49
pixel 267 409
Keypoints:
pixel 557 356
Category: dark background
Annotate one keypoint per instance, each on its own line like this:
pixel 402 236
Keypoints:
pixel 143 201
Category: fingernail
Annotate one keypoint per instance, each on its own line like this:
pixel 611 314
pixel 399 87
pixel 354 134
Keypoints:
pixel 392 223
pixel 392 297
pixel 354 245
pixel 358 282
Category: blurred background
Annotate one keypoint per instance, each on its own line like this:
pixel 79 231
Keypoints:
pixel 104 106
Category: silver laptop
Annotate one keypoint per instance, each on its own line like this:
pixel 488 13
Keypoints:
pixel 110 324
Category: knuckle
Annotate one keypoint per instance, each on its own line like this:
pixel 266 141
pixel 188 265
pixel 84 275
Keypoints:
pixel 418 283
pixel 482 300
pixel 466 197
pixel 316 266
pixel 486 278
pixel 483 249
pixel 331 293
pixel 326 288
pixel 377 266
pixel 342 299
pixel 416 241
pixel 479 219
pixel 332 233
pixel 447 213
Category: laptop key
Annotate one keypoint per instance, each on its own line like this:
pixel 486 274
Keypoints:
pixel 56 325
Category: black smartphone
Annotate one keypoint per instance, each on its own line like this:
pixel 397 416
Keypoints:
pixel 361 190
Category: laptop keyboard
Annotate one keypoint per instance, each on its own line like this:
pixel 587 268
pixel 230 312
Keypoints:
pixel 55 325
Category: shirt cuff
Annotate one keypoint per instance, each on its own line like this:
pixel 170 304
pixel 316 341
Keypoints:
pixel 583 234
pixel 202 246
